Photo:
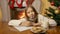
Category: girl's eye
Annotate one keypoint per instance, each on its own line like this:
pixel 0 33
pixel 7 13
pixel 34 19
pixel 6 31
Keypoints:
pixel 28 12
pixel 31 11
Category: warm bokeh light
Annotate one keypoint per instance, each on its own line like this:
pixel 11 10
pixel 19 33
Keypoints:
pixel 21 14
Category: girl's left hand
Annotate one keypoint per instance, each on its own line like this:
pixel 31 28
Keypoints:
pixel 36 24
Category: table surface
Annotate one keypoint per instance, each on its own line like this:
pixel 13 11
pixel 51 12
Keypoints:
pixel 5 29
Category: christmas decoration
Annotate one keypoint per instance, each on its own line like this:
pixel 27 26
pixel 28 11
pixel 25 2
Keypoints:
pixel 25 3
pixel 11 3
pixel 51 17
pixel 52 3
pixel 59 7
pixel 19 3
pixel 56 11
pixel 56 3
pixel 54 14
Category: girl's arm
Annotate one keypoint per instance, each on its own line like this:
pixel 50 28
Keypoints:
pixel 43 21
pixel 46 21
pixel 52 22
pixel 26 23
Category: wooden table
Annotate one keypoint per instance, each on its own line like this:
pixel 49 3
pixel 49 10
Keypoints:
pixel 54 30
pixel 5 29
pixel 12 29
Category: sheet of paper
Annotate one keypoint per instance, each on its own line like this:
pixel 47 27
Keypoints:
pixel 22 28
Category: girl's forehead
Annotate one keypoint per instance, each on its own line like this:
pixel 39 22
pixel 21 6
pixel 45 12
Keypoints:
pixel 29 9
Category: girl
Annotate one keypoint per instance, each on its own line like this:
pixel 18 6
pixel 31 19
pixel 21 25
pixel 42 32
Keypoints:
pixel 33 18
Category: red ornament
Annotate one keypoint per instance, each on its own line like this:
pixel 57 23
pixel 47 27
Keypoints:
pixel 19 4
pixel 52 3
pixel 12 3
pixel 59 7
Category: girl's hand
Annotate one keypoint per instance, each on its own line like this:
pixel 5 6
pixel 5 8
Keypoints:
pixel 27 23
pixel 36 24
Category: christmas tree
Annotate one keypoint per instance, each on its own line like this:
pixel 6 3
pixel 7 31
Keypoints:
pixel 54 13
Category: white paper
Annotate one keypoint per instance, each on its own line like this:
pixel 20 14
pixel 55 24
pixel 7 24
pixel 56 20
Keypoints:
pixel 22 28
pixel 16 22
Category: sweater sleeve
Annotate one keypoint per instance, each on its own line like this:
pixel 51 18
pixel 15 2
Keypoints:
pixel 43 20
pixel 46 21
pixel 52 22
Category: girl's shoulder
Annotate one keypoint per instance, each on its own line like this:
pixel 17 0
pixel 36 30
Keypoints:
pixel 42 16
pixel 39 15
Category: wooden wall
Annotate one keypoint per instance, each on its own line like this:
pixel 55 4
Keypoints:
pixel 0 14
pixel 45 4
pixel 0 21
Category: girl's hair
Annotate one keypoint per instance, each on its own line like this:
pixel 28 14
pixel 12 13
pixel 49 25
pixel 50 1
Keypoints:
pixel 32 9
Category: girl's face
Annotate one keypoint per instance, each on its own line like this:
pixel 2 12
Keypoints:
pixel 30 13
